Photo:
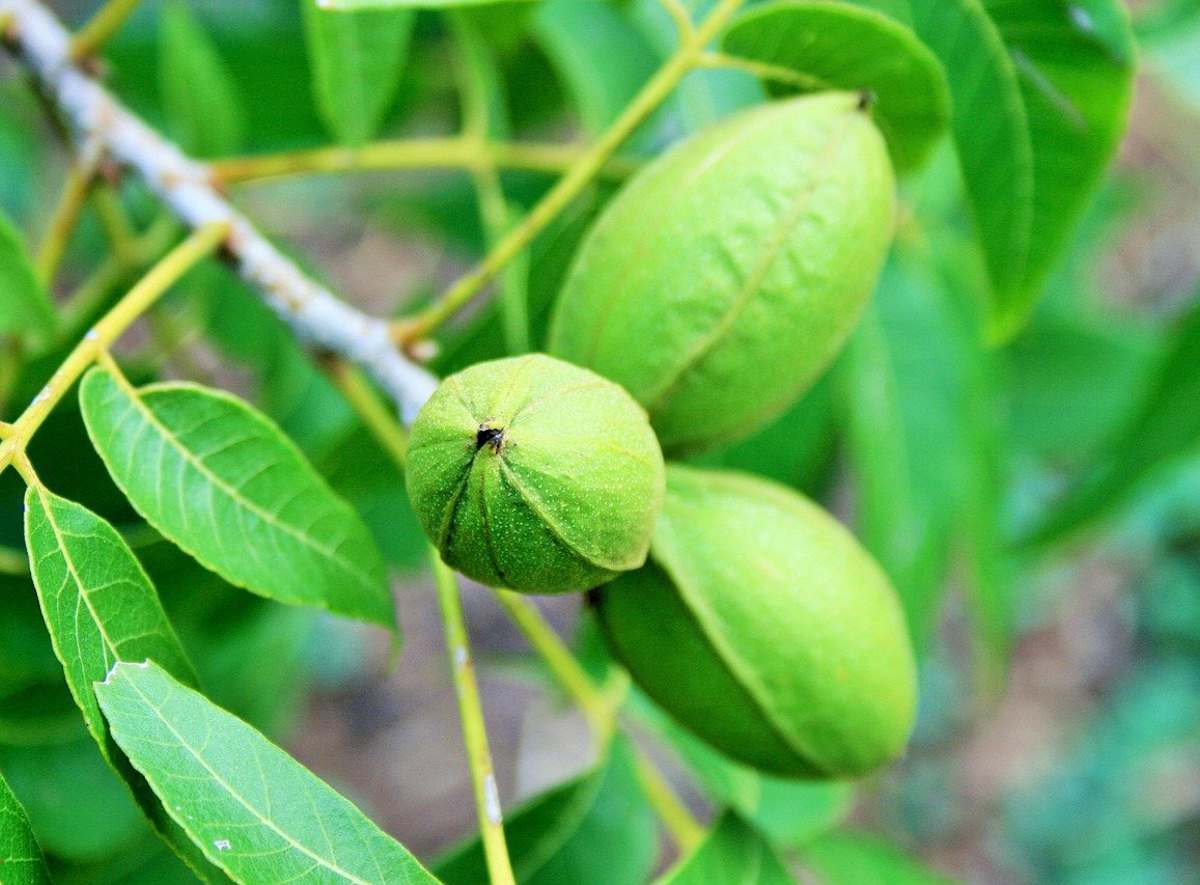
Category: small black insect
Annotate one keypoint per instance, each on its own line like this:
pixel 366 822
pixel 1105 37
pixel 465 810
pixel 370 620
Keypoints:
pixel 489 436
pixel 866 98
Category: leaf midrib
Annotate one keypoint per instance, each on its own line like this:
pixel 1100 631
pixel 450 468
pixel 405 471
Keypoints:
pixel 73 574
pixel 267 822
pixel 233 494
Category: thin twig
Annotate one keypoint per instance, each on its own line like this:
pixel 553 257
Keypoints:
pixel 600 712
pixel 487 797
pixel 92 294
pixel 102 335
pixel 763 70
pixel 186 186
pixel 89 39
pixel 495 214
pixel 116 224
pixel 679 15
pixel 371 410
pixel 656 90
pixel 80 176
pixel 563 665
pixel 414 153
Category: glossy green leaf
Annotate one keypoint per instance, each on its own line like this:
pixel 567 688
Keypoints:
pixel 357 60
pixel 252 809
pixel 21 861
pixel 991 131
pixel 222 482
pixel 1163 426
pixel 856 859
pixel 734 853
pixel 100 608
pixel 199 94
pixel 1075 66
pixel 96 598
pixel 835 46
pixel 557 836
pixel 24 305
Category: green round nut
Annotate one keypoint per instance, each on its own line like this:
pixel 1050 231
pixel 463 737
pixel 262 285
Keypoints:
pixel 726 275
pixel 764 628
pixel 536 475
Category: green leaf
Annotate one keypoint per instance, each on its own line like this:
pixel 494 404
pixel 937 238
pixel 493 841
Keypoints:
pixel 557 836
pixel 1163 427
pixel 412 4
pixel 24 306
pixel 1070 381
pixel 601 58
pixel 21 861
pixel 904 394
pixel 98 602
pixel 199 94
pixel 252 809
pixel 794 449
pixel 856 859
pixel 1075 68
pixel 222 482
pixel 357 59
pixel 991 131
pixel 100 608
pixel 789 812
pixel 485 111
pixel 704 95
pixel 734 853
pixel 835 46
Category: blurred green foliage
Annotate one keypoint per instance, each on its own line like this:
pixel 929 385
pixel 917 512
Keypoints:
pixel 1002 487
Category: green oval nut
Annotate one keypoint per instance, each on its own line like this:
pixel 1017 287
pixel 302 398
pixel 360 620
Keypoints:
pixel 763 627
pixel 536 475
pixel 724 278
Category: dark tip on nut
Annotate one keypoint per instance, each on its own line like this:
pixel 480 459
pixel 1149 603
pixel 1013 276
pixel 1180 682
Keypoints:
pixel 866 99
pixel 489 436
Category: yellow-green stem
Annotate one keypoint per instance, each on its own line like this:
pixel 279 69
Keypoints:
pixel 419 153
pixel 115 222
pixel 683 827
pixel 600 712
pixel 110 327
pixel 62 223
pixel 94 291
pixel 763 70
pixel 89 39
pixel 483 778
pixel 679 15
pixel 563 665
pixel 494 212
pixel 577 177
pixel 371 409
